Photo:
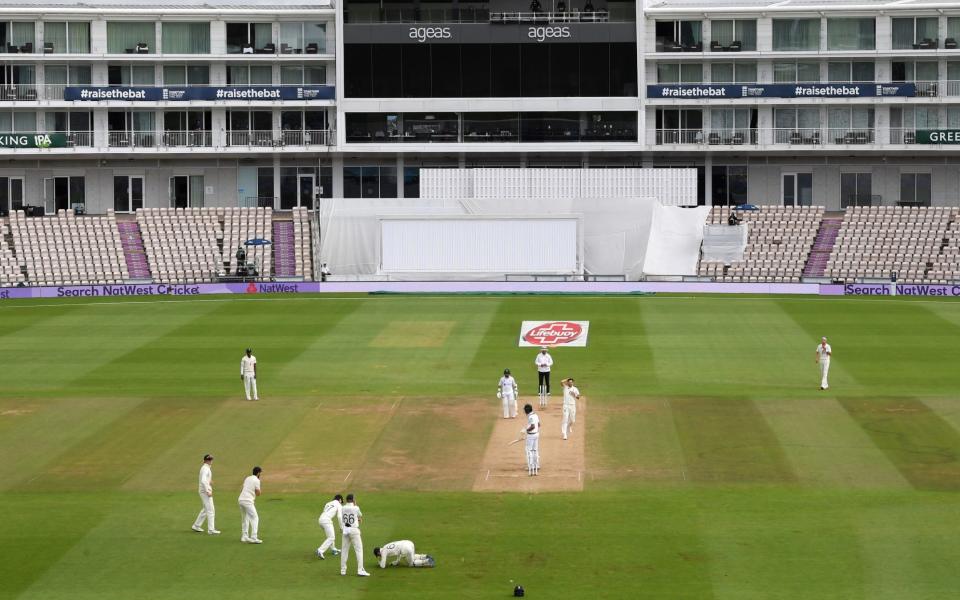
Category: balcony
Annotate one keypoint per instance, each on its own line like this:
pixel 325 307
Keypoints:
pixel 616 14
pixel 743 136
pixel 280 139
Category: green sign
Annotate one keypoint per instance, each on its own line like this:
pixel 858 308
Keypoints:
pixel 938 136
pixel 33 140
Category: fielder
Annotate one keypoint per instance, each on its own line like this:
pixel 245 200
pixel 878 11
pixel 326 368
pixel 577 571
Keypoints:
pixel 508 392
pixel 248 374
pixel 350 519
pixel 250 520
pixel 823 359
pixel 570 396
pixel 533 440
pixel 544 361
pixel 402 549
pixel 332 511
pixel 206 498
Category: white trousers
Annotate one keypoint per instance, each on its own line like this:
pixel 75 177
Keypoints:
pixel 569 418
pixel 533 452
pixel 249 520
pixel 331 540
pixel 824 370
pixel 250 385
pixel 206 513
pixel 351 537
pixel 509 406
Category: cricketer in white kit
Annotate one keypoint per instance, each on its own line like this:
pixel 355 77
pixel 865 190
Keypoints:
pixel 544 362
pixel 824 352
pixel 533 440
pixel 350 519
pixel 570 396
pixel 207 512
pixel 331 513
pixel 508 392
pixel 402 549
pixel 248 374
pixel 250 520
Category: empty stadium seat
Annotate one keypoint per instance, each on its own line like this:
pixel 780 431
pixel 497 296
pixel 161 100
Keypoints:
pixel 876 241
pixel 69 250
pixel 779 240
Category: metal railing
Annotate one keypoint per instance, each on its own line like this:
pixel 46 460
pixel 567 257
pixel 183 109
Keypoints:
pixel 132 139
pixel 797 136
pixel 175 139
pixel 736 136
pixel 274 139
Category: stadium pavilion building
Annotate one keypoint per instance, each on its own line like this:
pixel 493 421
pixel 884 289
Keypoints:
pixel 128 103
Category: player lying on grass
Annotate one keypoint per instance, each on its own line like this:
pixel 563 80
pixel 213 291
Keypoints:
pixel 402 549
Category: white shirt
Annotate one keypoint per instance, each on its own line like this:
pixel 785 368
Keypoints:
pixel 250 486
pixel 508 385
pixel 206 476
pixel 533 419
pixel 570 396
pixel 824 351
pixel 331 510
pixel 350 516
pixel 402 549
pixel 247 365
pixel 544 362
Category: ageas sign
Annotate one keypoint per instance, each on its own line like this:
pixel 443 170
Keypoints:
pixel 554 333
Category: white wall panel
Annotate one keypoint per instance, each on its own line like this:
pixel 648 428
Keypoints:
pixel 479 245
pixel 672 187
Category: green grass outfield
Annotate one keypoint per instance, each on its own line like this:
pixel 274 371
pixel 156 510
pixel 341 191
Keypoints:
pixel 715 468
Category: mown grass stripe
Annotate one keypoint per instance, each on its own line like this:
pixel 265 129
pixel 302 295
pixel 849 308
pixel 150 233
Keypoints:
pixel 728 441
pixel 826 447
pixel 923 446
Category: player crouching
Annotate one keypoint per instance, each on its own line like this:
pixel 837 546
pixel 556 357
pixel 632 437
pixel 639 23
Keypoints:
pixel 402 549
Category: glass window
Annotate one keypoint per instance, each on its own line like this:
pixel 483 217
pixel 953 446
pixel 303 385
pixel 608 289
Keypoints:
pixel 840 72
pixel 19 35
pixel 953 30
pixel 669 73
pixel 796 72
pixel 729 185
pixel 129 37
pixel 291 75
pixel 370 182
pixel 855 189
pixel 674 36
pixel 726 33
pixel 248 38
pixel 291 38
pixel 721 73
pixel 24 122
pixel 71 37
pixel 691 73
pixel 915 189
pixel 186 38
pixel 796 34
pixel 915 33
pixel 852 34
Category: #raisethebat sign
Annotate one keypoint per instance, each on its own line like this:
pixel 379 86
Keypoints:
pixel 554 333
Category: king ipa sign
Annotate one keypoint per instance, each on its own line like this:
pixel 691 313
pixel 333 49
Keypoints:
pixel 33 140
pixel 554 333
pixel 938 136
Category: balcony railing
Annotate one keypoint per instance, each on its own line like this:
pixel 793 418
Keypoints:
pixel 279 139
pixel 19 92
pixel 797 137
pixel 185 139
pixel 483 15
pixel 132 139
pixel 739 136
pixel 903 135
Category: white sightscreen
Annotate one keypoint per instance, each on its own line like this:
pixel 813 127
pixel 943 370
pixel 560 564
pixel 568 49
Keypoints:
pixel 673 247
pixel 479 245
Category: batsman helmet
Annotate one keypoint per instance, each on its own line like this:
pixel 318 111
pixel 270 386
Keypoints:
pixel 506 371
pixel 518 591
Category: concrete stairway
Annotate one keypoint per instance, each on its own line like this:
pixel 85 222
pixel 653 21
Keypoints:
pixel 823 245
pixel 133 251
pixel 284 260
